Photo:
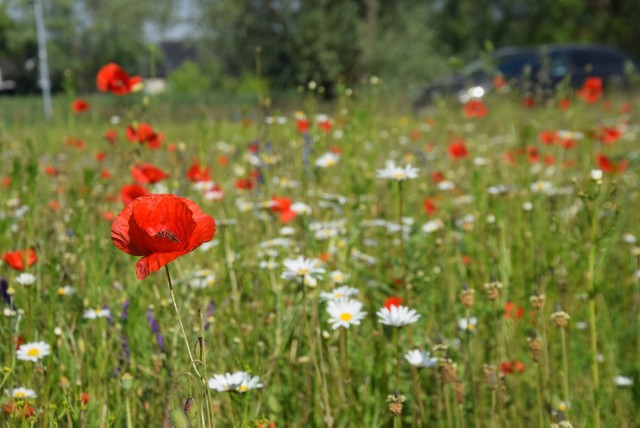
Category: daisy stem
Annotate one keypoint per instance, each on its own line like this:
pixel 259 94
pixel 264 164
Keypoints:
pixel 595 378
pixel 343 356
pixel 447 405
pixel 127 409
pixel 540 402
pixel 565 367
pixel 203 358
pixel 403 259
pixel 184 334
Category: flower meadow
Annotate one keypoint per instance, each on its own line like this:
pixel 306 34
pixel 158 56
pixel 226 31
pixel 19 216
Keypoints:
pixel 329 265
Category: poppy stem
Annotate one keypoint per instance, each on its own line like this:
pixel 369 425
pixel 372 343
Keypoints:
pixel 184 334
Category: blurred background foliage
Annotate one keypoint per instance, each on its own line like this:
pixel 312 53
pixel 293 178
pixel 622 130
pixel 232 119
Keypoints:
pixel 405 42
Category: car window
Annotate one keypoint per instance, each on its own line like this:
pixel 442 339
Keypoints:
pixel 514 65
pixel 598 62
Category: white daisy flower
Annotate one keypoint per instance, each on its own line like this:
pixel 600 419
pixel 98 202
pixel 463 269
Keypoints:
pixel 397 173
pixel 327 160
pixel 345 313
pixel 306 269
pixel 234 382
pixel 545 187
pixel 300 208
pixel 432 226
pixel 26 278
pixel 92 314
pixel 596 174
pixel 397 316
pixel 21 393
pixel 468 324
pixel 623 381
pixel 202 278
pixel 67 290
pixel 418 358
pixel 33 351
pixel 338 293
pixel 338 277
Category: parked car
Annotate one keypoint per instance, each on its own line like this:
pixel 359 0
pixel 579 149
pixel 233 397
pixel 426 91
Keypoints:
pixel 533 71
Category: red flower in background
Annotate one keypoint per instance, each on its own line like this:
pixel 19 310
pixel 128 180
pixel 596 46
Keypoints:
pixel 608 135
pixel 606 165
pixel 475 108
pixel 591 90
pixel 244 184
pixel 282 206
pixel 512 311
pixel 457 149
pixel 51 171
pixel 198 172
pixel 564 104
pixel 147 173
pixel 144 134
pixel 17 259
pixel 429 206
pixel 130 192
pixel 112 78
pixel 79 106
pixel 392 301
pixel 499 81
pixel 510 367
pixel 111 136
pixel 160 228
pixel 527 102
pixel 548 137
pixel 303 125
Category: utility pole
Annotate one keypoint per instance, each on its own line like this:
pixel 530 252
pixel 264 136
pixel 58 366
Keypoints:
pixel 43 66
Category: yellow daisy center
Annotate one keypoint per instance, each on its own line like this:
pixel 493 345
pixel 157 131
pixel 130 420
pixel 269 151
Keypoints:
pixel 346 316
pixel 243 388
pixel 303 271
pixel 398 175
pixel 33 352
pixel 338 295
pixel 19 394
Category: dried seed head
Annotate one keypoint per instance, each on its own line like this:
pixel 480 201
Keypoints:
pixel 458 389
pixel 127 381
pixel 201 348
pixel 395 401
pixel 467 296
pixel 439 346
pixel 492 289
pixel 560 317
pixel 448 370
pixel 537 300
pixel 535 346
pixel 491 376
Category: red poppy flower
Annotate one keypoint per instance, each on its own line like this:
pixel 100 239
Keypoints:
pixel 75 142
pixel 457 149
pixel 512 311
pixel 147 173
pixel 608 135
pixel 303 125
pixel 325 125
pixel 625 108
pixel 392 301
pixel 244 184
pixel 144 134
pixel 198 172
pixel 6 181
pixel 564 104
pixel 568 143
pixel 475 108
pixel 499 82
pixel 437 177
pixel 548 137
pixel 17 259
pixel 51 170
pixel 591 90
pixel 105 174
pixel 527 102
pixel 112 78
pixel 223 160
pixel 111 136
pixel 100 156
pixel 130 192
pixel 429 206
pixel 80 106
pixel 282 206
pixel 161 228
pixel 510 367
pixel 606 165
pixel 26 411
